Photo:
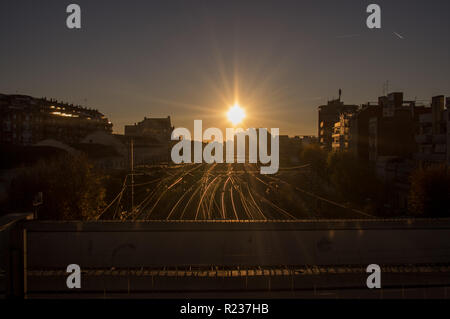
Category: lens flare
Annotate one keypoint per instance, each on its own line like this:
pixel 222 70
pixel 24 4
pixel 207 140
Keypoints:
pixel 236 114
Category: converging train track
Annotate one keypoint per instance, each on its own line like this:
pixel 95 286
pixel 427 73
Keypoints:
pixel 223 192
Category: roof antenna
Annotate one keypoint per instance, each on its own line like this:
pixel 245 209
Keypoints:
pixel 386 88
pixel 340 94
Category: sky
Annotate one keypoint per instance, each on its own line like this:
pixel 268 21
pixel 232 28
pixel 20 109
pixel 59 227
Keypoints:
pixel 193 59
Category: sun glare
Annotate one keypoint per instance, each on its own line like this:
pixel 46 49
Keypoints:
pixel 236 114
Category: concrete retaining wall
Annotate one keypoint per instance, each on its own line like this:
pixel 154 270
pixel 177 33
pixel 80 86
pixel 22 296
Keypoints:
pixel 152 244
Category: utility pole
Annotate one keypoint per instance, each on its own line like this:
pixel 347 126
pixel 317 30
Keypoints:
pixel 132 176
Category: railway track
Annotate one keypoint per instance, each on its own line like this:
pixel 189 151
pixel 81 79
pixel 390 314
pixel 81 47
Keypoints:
pixel 225 192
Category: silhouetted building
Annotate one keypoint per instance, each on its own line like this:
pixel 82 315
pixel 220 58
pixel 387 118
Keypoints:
pixel 159 129
pixel 106 151
pixel 328 115
pixel 432 135
pixel 151 140
pixel 394 135
pixel 386 128
pixel 26 120
pixel 308 139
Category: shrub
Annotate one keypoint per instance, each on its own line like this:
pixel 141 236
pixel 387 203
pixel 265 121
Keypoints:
pixel 430 191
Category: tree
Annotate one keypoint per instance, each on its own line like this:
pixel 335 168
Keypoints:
pixel 430 191
pixel 352 179
pixel 71 189
pixel 314 155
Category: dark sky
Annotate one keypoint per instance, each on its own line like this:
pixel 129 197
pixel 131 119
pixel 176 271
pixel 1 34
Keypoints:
pixel 192 59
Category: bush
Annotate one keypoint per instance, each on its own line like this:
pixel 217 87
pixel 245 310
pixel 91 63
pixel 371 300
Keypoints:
pixel 430 191
pixel 314 155
pixel 353 180
pixel 71 190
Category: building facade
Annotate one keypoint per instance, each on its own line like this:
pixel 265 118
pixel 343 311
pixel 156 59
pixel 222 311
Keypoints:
pixel 159 129
pixel 329 114
pixel 151 140
pixel 342 133
pixel 26 120
pixel 386 128
pixel 432 134
pixel 394 137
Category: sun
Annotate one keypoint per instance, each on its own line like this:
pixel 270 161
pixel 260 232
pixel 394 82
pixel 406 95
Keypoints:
pixel 236 114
